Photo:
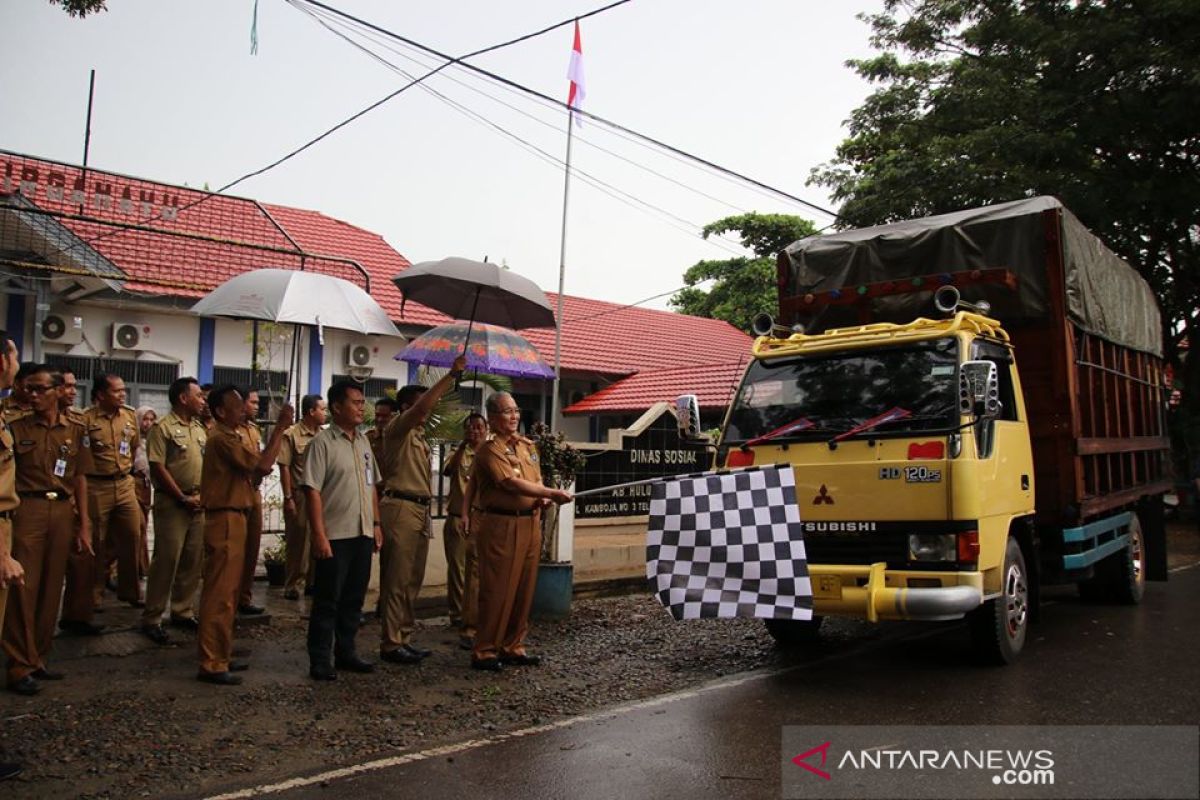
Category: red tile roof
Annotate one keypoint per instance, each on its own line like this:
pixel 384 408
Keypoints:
pixel 713 384
pixel 211 238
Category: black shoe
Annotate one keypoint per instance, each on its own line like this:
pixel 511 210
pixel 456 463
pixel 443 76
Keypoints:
pixel 219 678
pixel 419 652
pixel 185 623
pixel 487 664
pixel 291 594
pixel 523 660
pixel 9 771
pixel 43 674
pixel 400 655
pixel 27 686
pixel 80 628
pixel 354 664
pixel 250 610
pixel 322 673
pixel 239 666
pixel 156 634
pixel 466 643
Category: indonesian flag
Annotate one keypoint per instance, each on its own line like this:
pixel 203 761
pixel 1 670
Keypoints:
pixel 575 73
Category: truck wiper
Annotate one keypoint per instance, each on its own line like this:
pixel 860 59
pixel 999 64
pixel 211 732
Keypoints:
pixel 794 426
pixel 894 415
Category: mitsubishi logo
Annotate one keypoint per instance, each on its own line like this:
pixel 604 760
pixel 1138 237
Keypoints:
pixel 823 497
pixel 802 759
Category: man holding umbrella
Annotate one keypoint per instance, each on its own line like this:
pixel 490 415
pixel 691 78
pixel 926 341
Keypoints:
pixel 404 506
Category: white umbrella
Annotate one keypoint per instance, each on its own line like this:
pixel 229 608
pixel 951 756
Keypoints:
pixel 301 298
pixel 286 296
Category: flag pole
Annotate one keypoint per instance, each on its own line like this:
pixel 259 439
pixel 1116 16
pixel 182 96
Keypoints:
pixel 562 272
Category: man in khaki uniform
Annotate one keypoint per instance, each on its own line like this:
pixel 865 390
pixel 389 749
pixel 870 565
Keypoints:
pixel 51 464
pixel 175 450
pixel 255 526
pixel 462 564
pixel 232 464
pixel 404 505
pixel 508 496
pixel 112 437
pixel 11 571
pixel 385 409
pixel 17 403
pixel 291 478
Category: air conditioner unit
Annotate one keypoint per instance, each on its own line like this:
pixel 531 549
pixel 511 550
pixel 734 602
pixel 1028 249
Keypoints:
pixel 130 336
pixel 62 327
pixel 362 355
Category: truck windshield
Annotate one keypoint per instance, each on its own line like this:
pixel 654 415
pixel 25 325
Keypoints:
pixel 837 392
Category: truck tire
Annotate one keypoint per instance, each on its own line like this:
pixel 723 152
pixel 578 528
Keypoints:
pixel 794 632
pixel 999 626
pixel 1120 578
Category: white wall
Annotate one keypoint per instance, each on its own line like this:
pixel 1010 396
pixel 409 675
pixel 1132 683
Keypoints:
pixel 173 337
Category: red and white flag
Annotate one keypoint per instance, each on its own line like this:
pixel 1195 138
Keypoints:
pixel 575 73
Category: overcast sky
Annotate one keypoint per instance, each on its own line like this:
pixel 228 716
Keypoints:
pixel 758 86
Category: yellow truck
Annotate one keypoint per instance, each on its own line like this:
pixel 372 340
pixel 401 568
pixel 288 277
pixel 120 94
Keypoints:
pixel 974 408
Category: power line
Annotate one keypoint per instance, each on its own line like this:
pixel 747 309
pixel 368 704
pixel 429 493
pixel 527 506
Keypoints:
pixel 558 103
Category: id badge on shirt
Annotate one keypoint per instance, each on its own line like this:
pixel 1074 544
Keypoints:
pixel 123 448
pixel 60 468
pixel 368 473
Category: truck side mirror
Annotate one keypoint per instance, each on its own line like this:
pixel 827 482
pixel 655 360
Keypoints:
pixel 687 415
pixel 979 389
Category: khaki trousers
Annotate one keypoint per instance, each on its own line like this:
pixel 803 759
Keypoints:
pixel 42 537
pixel 509 548
pixel 401 568
pixel 5 541
pixel 295 531
pixel 224 554
pixel 174 573
pixel 254 531
pixel 115 517
pixel 462 575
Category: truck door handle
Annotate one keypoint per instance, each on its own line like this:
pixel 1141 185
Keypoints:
pixel 1025 483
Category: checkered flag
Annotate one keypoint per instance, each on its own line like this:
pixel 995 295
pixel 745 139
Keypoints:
pixel 729 545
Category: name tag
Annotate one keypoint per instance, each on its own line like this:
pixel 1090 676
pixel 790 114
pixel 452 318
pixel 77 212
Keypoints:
pixel 60 468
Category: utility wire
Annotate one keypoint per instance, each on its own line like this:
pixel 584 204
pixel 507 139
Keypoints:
pixel 692 229
pixel 594 117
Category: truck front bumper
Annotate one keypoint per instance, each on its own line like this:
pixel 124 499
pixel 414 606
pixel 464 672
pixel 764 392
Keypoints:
pixel 874 593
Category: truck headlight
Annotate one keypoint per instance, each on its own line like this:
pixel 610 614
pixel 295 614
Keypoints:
pixel 932 547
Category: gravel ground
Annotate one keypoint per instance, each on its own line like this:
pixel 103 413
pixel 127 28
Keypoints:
pixel 140 726
pixel 135 723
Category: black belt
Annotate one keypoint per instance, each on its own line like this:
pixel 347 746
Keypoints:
pixel 116 477
pixel 229 509
pixel 452 514
pixel 504 512
pixel 6 515
pixel 412 498
pixel 46 494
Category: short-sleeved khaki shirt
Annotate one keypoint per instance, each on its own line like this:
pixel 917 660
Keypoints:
pixel 113 439
pixel 43 451
pixel 230 463
pixel 375 438
pixel 460 476
pixel 8 469
pixel 407 455
pixel 178 446
pixel 498 461
pixel 343 469
pixel 291 452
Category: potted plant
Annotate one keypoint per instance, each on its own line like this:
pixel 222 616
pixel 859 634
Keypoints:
pixel 560 463
pixel 275 561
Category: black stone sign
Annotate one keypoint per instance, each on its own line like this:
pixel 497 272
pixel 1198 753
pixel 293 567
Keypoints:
pixel 655 452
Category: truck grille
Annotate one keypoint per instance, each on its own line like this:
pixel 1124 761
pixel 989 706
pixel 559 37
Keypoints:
pixel 857 548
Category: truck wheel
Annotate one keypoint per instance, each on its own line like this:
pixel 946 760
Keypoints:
pixel 1121 577
pixel 998 627
pixel 794 632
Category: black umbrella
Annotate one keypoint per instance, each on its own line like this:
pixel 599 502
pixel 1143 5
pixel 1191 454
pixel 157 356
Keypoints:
pixel 476 291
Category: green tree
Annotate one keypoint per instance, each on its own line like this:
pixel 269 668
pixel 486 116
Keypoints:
pixel 1092 101
pixel 743 286
pixel 80 8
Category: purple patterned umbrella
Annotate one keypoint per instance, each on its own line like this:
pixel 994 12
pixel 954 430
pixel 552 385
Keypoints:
pixel 493 349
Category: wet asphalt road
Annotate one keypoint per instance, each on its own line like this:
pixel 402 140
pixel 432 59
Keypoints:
pixel 1084 664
